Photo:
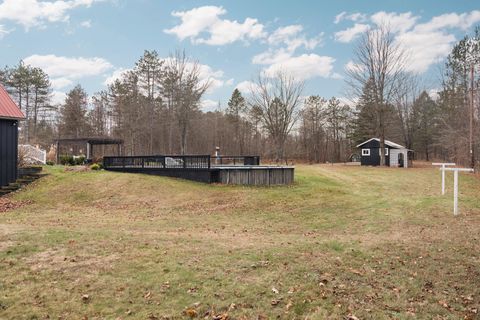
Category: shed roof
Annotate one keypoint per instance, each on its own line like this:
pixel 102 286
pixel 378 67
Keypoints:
pixel 8 108
pixel 387 142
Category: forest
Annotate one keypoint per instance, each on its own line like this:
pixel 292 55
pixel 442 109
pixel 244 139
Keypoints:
pixel 156 108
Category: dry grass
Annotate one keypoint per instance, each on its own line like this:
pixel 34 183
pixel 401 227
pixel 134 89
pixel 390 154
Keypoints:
pixel 343 241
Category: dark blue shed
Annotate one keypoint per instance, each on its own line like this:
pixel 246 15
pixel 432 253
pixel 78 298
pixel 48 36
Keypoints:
pixel 10 114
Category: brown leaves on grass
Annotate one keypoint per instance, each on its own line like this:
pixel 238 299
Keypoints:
pixel 7 204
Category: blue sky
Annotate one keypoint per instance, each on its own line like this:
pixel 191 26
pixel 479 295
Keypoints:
pixel 92 41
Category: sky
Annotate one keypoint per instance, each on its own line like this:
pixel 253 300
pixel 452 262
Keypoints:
pixel 91 42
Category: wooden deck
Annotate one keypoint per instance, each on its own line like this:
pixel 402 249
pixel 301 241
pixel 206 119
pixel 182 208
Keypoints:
pixel 204 168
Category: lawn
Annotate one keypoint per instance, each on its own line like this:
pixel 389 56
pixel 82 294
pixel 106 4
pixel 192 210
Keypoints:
pixel 342 243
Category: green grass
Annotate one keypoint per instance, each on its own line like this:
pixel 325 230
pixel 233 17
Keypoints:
pixel 377 243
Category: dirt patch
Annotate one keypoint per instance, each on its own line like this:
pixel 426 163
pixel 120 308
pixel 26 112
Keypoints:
pixel 59 260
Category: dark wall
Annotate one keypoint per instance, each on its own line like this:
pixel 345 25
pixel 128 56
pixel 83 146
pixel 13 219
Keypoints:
pixel 8 151
pixel 374 158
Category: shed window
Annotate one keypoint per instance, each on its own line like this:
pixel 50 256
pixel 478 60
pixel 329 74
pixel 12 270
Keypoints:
pixel 365 152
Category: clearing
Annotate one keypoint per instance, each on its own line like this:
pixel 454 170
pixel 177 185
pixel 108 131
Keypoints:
pixel 343 242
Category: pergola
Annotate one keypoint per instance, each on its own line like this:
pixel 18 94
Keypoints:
pixel 86 146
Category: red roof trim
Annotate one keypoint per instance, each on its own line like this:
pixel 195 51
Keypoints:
pixel 8 107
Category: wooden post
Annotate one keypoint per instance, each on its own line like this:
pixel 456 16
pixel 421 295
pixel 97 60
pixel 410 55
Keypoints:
pixel 455 186
pixel 443 165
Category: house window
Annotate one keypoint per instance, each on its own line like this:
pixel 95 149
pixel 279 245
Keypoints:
pixel 365 152
pixel 386 152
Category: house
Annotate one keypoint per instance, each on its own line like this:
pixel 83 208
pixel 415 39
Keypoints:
pixel 395 155
pixel 10 114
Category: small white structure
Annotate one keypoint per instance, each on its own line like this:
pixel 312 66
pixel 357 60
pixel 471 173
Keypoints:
pixel 455 186
pixel 443 165
pixel 33 154
pixel 396 155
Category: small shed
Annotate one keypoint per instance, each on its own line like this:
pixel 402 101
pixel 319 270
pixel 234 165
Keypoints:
pixel 396 155
pixel 10 114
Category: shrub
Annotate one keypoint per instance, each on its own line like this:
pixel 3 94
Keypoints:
pixel 79 160
pixel 96 166
pixel 67 160
pixel 50 163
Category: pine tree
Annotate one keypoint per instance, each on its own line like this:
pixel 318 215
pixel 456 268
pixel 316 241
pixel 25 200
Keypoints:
pixel 73 114
pixel 235 111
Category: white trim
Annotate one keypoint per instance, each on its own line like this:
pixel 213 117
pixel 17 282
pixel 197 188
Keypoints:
pixel 365 152
pixel 387 142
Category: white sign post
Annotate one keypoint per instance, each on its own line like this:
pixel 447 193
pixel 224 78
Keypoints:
pixel 455 186
pixel 444 165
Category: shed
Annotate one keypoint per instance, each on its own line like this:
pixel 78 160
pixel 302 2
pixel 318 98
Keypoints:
pixel 396 155
pixel 10 114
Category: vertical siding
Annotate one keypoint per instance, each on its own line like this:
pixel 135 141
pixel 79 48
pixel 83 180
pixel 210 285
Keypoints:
pixel 8 151
pixel 257 176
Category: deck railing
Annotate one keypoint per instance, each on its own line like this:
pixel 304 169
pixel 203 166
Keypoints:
pixel 158 162
pixel 236 161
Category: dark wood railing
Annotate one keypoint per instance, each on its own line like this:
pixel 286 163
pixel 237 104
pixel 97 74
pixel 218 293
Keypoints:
pixel 236 160
pixel 158 162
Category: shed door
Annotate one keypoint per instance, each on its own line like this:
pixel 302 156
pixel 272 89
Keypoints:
pixel 401 160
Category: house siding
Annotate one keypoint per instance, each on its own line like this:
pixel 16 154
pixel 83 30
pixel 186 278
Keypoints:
pixel 8 151
pixel 374 158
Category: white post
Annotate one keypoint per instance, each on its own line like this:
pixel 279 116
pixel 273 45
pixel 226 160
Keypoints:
pixel 455 186
pixel 455 192
pixel 443 165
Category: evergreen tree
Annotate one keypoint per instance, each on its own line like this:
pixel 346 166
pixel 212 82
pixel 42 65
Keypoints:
pixel 425 116
pixel 235 111
pixel 73 114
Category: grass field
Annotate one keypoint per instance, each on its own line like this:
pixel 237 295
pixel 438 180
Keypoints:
pixel 342 243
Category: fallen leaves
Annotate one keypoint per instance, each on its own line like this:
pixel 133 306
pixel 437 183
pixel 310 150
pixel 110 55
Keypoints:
pixel 6 204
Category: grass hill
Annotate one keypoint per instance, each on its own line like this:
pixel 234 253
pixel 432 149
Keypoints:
pixel 343 242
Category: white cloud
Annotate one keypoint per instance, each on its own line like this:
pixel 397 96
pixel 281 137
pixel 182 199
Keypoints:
pixel 430 42
pixel 71 68
pixel 35 13
pixel 58 97
pixel 451 20
pixel 355 17
pixel 304 66
pixel 246 86
pixel 434 94
pixel 425 48
pixel 63 71
pixel 350 34
pixel 86 24
pixel 59 83
pixel 208 105
pixel 206 21
pixel 426 43
pixel 116 75
pixel 396 22
pixel 3 31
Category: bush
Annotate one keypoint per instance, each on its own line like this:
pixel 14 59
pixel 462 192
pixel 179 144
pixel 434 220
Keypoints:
pixel 50 163
pixel 96 166
pixel 79 160
pixel 67 160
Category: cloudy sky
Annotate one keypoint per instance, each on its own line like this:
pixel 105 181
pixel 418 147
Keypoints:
pixel 92 41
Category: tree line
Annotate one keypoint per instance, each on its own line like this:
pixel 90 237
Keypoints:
pixel 156 108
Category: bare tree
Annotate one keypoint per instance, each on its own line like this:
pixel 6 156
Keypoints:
pixel 186 90
pixel 278 98
pixel 379 62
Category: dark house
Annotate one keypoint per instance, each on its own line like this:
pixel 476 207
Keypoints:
pixel 395 155
pixel 10 114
